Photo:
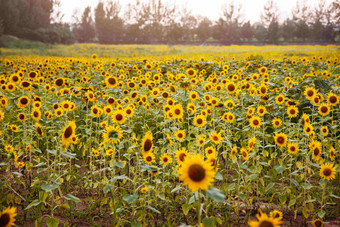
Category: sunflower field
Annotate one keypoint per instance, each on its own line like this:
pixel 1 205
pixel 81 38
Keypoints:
pixel 215 136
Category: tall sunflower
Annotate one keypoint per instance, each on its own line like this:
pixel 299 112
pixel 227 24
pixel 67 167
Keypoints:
pixel 119 116
pixel 166 159
pixel 68 133
pixel 324 109
pixel 292 111
pixel 196 173
pixel 181 155
pixel 263 221
pixel 332 99
pixel 7 217
pixel 292 148
pixel 280 139
pixel 147 144
pixel 216 137
pixel 255 122
pixel 327 171
pixel 112 134
pixel 199 121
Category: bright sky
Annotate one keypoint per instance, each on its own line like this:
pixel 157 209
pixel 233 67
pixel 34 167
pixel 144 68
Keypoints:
pixel 209 8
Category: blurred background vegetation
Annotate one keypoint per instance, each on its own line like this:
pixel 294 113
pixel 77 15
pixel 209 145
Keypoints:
pixel 158 22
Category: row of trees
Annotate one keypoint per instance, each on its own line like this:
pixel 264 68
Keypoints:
pixel 158 22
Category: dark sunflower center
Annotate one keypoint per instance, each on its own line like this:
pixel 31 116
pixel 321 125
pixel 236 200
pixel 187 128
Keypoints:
pixel 333 99
pixel 36 114
pixel 4 219
pixel 128 111
pixel 316 151
pixel 149 158
pixel 180 135
pixel 119 117
pixel 231 87
pixel 292 111
pixel 68 132
pixel 95 111
pixel 255 122
pixel 182 157
pixel 22 117
pixel 25 84
pixel 165 159
pixel 310 93
pixel 215 138
pixel 263 90
pixel 327 172
pixel 277 215
pixel 280 140
pixel 24 101
pixel 266 224
pixel 324 109
pixel 318 223
pixel 147 145
pixel 196 172
pixel 59 82
pixel 292 148
pixel 199 121
pixel 193 96
pixel 39 131
pixel 280 99
pixel 112 81
pixel 177 112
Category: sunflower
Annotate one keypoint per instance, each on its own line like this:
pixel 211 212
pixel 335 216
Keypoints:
pixel 40 132
pixel 277 122
pixel 280 139
pixel 324 109
pixel 149 158
pixel 262 70
pixel 251 143
pixel 324 130
pixel 180 135
pixel 7 217
pixel 251 111
pixel 36 114
pixel 210 151
pixel 255 122
pixel 68 133
pixel 276 214
pixel 201 140
pixel 261 110
pixel 292 148
pixel 119 116
pixel 196 173
pixel 244 154
pixel 177 111
pixel 21 117
pixel 147 144
pixel 144 189
pixel 14 128
pixel 262 90
pixel 59 82
pixel 181 155
pixel 2 116
pixel 292 111
pixel 309 93
pixel 96 111
pixel 166 159
pixel 112 134
pixel 216 137
pixel 59 112
pixel 230 104
pixel 332 99
pixel 111 81
pixel 264 220
pixel 191 72
pixel 233 152
pixel 332 153
pixel 316 148
pixel 193 95
pixel 327 171
pixel 23 101
pixel 317 223
pixel 231 87
pixel 199 121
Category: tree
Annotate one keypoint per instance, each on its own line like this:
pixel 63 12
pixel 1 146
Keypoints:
pixel 85 31
pixel 247 31
pixel 203 29
pixel 269 19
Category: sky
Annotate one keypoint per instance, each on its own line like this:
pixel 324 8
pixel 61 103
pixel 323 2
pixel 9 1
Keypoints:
pixel 208 8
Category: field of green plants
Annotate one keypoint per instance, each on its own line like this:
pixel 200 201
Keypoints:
pixel 94 135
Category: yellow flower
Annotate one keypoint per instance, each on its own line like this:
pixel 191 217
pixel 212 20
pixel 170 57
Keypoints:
pixel 180 135
pixel 264 220
pixel 216 137
pixel 7 217
pixel 147 144
pixel 196 173
pixel 255 122
pixel 280 139
pixel 68 132
pixel 144 189
pixel 327 171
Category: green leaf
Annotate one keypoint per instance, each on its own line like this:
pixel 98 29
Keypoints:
pixel 280 169
pixel 121 177
pixel 231 187
pixel 52 222
pixel 264 164
pixel 68 154
pixel 186 208
pixel 176 189
pixel 119 165
pixel 294 182
pixel 322 182
pixel 306 186
pixel 215 194
pixel 283 198
pixel 136 224
pixel 49 187
pixel 321 213
pixel 270 186
pixel 33 204
pixel 72 197
pixel 218 176
pixel 208 222
pixel 154 210
pixel 54 152
pixel 149 168
pixel 334 196
pixel 292 202
pixel 193 198
pixel 253 177
pixel 305 212
pixel 130 198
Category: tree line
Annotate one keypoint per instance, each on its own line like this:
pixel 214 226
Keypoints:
pixel 159 22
